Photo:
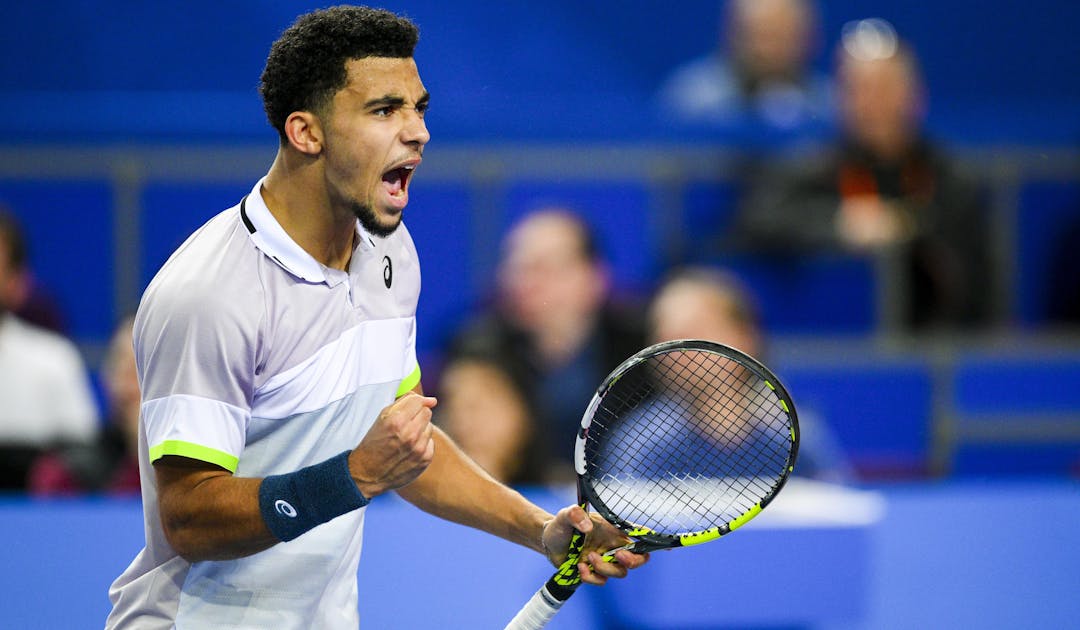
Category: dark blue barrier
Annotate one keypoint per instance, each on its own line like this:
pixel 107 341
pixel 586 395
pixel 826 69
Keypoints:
pixel 816 294
pixel 1031 401
pixel 880 411
pixel 1047 272
pixel 994 385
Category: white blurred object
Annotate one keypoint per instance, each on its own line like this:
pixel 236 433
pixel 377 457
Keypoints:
pixel 810 503
pixel 869 39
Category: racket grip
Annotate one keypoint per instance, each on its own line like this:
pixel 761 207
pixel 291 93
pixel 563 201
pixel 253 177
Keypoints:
pixel 537 612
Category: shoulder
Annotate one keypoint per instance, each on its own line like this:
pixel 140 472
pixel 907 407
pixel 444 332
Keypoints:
pixel 216 270
pixel 208 301
pixel 699 87
pixel 711 69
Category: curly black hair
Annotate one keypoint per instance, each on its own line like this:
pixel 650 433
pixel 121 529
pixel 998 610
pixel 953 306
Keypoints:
pixel 306 65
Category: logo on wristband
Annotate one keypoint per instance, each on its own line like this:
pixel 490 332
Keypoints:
pixel 284 508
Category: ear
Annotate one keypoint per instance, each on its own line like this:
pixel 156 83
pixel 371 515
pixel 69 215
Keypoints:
pixel 304 131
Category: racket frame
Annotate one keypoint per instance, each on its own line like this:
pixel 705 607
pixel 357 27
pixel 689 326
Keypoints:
pixel 646 540
pixel 561 586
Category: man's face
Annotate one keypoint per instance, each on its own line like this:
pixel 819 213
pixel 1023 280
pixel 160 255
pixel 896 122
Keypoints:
pixel 771 37
pixel 880 100
pixel 688 311
pixel 374 138
pixel 545 275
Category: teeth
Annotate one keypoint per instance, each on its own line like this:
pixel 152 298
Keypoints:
pixel 409 168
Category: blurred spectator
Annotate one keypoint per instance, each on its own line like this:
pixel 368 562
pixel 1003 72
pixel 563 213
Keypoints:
pixel 110 464
pixel 27 298
pixel 759 73
pixel 45 395
pixel 537 357
pixel 39 307
pixel 882 187
pixel 485 410
pixel 706 303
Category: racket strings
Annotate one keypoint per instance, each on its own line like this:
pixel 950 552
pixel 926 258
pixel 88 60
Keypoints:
pixel 686 441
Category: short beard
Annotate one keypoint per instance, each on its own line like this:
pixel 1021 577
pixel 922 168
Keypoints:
pixel 369 221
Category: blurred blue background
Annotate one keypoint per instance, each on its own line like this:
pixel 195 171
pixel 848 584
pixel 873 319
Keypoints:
pixel 128 124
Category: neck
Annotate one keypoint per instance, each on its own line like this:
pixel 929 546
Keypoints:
pixel 295 194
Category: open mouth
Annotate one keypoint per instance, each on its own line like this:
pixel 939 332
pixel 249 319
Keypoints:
pixel 396 181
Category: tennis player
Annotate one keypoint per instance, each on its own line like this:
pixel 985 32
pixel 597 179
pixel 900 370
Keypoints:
pixel 276 352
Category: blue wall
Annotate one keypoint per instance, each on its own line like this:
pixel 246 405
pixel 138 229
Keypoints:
pixel 998 70
pixel 123 77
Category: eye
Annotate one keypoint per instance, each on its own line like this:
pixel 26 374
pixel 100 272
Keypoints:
pixel 421 109
pixel 383 112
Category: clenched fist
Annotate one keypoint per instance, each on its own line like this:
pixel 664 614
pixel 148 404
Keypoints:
pixel 397 448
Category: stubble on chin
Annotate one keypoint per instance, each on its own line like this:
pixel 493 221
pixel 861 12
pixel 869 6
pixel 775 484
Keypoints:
pixel 366 215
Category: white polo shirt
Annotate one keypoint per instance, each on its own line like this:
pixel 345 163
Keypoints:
pixel 255 357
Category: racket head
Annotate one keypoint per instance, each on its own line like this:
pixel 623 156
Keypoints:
pixel 684 442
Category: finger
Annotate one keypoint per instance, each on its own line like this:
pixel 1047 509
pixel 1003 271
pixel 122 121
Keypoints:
pixel 580 519
pixel 414 402
pixel 631 560
pixel 606 568
pixel 588 576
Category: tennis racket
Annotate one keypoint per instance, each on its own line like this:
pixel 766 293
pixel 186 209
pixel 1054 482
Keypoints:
pixel 683 443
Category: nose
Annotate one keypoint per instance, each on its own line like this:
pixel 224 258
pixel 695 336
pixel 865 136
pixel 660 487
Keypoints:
pixel 415 130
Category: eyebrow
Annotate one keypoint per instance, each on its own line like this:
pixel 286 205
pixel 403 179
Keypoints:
pixel 391 100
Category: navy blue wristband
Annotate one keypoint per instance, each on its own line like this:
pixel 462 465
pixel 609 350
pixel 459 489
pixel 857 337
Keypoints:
pixel 294 503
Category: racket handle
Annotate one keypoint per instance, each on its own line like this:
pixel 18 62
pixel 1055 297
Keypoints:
pixel 537 612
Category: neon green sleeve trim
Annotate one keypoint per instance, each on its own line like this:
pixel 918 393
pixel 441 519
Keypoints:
pixel 195 451
pixel 409 382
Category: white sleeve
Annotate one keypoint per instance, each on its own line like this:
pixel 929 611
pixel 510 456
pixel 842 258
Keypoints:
pixel 196 352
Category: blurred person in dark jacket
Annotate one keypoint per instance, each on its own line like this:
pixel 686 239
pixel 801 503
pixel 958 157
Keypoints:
pixel 552 336
pixel 882 186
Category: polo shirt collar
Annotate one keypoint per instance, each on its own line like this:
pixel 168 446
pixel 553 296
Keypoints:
pixel 275 242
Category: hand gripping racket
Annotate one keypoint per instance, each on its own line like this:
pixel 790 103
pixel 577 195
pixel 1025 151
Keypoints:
pixel 683 443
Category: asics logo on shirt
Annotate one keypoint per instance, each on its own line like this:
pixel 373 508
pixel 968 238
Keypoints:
pixel 387 272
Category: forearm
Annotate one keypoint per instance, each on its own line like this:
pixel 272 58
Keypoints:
pixel 456 489
pixel 210 515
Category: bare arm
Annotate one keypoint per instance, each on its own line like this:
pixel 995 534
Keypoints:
pixel 208 514
pixel 455 488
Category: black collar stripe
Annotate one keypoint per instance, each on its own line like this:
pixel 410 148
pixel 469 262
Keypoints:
pixel 243 216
